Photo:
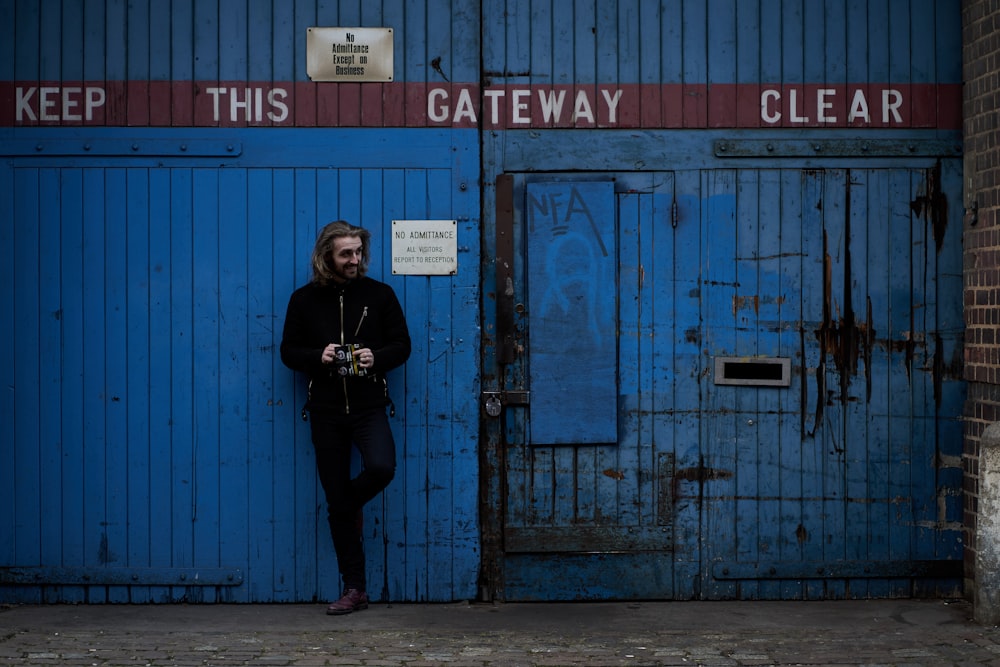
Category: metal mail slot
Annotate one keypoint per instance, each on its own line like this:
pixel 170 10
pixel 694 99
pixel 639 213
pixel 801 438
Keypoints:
pixel 754 371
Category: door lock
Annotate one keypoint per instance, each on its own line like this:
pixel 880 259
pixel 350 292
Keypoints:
pixel 493 405
pixel 493 401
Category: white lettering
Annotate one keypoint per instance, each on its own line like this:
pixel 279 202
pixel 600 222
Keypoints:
pixel 891 106
pixel 612 104
pixel 274 97
pixel 68 103
pixel 215 93
pixel 859 108
pixel 793 97
pixel 519 106
pixel 582 109
pixel 766 98
pixel 437 113
pixel 47 100
pixel 235 104
pixel 95 98
pixel 822 105
pixel 494 97
pixel 22 107
pixel 551 104
pixel 465 108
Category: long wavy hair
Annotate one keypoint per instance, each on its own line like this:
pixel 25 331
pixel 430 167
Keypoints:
pixel 322 256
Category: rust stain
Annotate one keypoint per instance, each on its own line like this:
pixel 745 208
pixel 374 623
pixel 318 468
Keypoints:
pixel 933 205
pixel 741 302
pixel 614 474
pixel 801 534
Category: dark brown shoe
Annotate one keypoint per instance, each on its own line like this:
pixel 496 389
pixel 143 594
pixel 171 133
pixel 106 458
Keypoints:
pixel 352 600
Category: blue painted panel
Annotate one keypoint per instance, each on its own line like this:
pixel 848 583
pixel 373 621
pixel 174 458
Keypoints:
pixel 572 300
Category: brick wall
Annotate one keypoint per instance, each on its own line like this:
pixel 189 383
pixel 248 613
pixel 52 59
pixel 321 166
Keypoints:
pixel 981 104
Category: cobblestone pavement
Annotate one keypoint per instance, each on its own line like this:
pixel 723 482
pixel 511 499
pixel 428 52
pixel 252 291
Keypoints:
pixel 890 632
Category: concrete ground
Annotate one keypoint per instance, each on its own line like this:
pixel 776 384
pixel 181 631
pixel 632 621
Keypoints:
pixel 884 632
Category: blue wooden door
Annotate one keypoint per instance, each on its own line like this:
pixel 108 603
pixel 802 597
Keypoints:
pixel 153 448
pixel 739 385
pixel 594 509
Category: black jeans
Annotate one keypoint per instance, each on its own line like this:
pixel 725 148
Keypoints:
pixel 332 437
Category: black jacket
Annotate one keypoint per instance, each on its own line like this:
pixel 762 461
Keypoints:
pixel 363 311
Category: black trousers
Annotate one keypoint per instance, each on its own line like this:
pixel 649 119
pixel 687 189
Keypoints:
pixel 333 436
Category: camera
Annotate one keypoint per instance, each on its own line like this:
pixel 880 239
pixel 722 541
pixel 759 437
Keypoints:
pixel 346 362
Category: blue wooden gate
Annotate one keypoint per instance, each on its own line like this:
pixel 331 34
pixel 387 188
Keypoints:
pixel 783 404
pixel 153 448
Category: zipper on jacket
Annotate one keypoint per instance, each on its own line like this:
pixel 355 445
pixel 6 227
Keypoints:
pixel 364 314
pixel 343 378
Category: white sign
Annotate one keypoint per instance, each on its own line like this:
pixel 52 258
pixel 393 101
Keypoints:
pixel 425 247
pixel 349 54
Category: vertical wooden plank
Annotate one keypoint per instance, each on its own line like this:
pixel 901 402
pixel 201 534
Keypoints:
pixel 206 455
pixel 94 405
pixel 26 46
pixel 315 568
pixel 724 58
pixel 951 395
pixel 836 29
pixel 263 399
pixel 183 433
pixel 114 52
pixel 8 45
pixel 70 316
pixel 838 267
pixel 900 529
pixel 663 328
pixel 772 434
pixel 792 342
pixel 50 371
pixel 205 48
pixel 625 461
pixel 162 480
pixel 50 50
pixel 688 275
pixel 694 26
pixel 136 445
pixel 920 107
pixel 440 434
pixel 753 54
pixel 672 65
pixel 27 467
pixel 233 31
pixel 793 36
pixel 466 322
pixel 71 37
pixel 923 304
pixel 719 489
pixel 627 65
pixel 115 551
pixel 293 463
pixel 858 442
pixel 8 355
pixel 744 306
pixel 585 56
pixel 880 403
pixel 138 53
pixel 234 489
pixel 182 54
pixel 814 445
pixel 386 520
pixel 415 463
pixel 643 508
pixel 651 72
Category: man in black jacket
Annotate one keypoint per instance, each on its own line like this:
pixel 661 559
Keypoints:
pixel 345 330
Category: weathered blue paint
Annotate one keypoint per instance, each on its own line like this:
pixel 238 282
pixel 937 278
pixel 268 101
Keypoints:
pixel 782 180
pixel 156 428
pixel 572 302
